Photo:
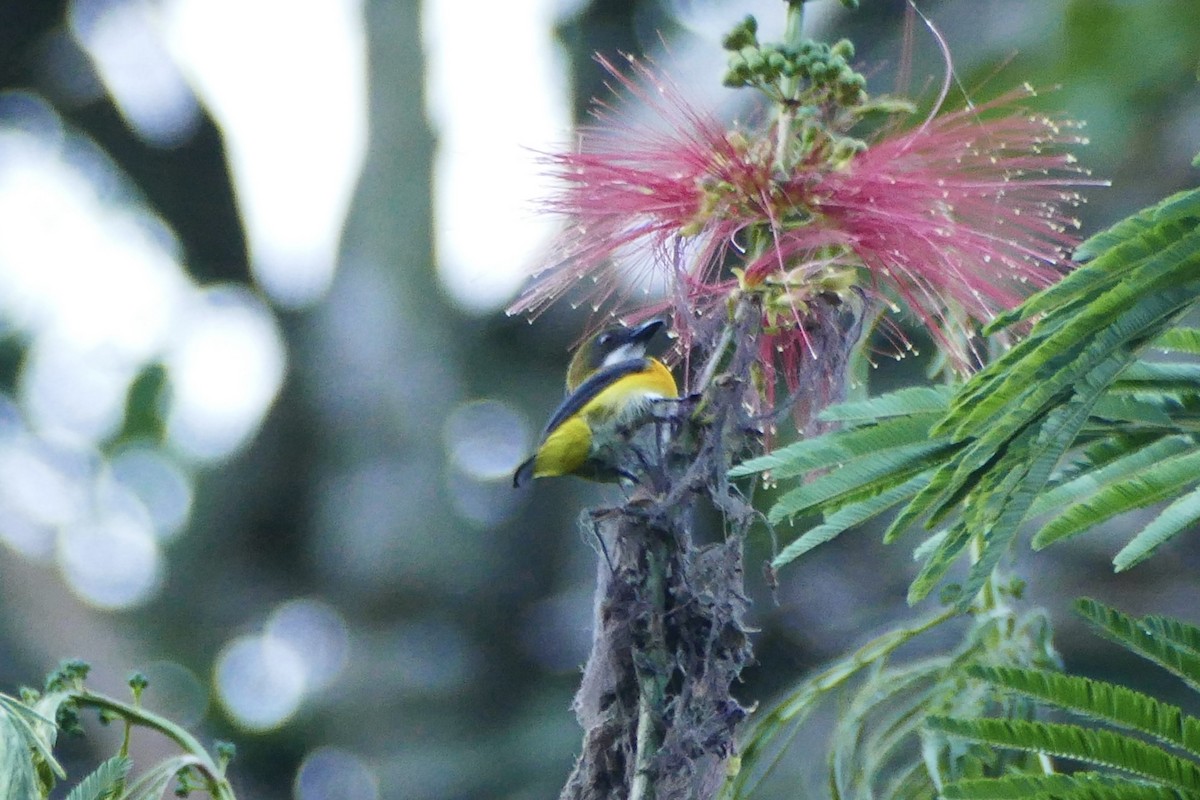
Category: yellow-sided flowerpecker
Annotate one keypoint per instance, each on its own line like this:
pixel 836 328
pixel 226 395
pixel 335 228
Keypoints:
pixel 611 387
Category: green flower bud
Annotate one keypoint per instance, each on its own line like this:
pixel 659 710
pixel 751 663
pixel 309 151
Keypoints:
pixel 754 58
pixel 742 35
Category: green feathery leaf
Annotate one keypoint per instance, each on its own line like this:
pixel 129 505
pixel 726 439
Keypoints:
pixel 840 446
pixel 1144 487
pixel 1181 514
pixel 18 776
pixel 1159 376
pixel 1079 786
pixel 1180 634
pixel 901 403
pixel 1101 701
pixel 1138 456
pixel 849 516
pixel 1179 340
pixel 888 467
pixel 101 782
pixel 1099 747
pixel 1144 639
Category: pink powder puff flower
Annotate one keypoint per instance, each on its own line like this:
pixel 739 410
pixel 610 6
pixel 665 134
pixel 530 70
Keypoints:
pixel 956 219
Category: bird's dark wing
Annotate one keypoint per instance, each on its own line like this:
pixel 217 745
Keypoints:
pixel 587 391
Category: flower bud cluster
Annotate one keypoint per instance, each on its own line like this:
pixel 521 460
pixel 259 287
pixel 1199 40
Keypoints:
pixel 825 69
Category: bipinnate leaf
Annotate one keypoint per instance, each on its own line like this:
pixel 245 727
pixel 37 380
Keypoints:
pixel 154 782
pixel 18 776
pixel 1079 786
pixel 1137 489
pixel 1090 746
pixel 1148 638
pixel 1175 518
pixel 1101 701
pixel 102 781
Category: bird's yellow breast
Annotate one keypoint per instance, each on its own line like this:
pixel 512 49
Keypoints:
pixel 627 397
pixel 568 446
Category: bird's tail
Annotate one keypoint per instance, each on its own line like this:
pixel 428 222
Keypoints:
pixel 524 473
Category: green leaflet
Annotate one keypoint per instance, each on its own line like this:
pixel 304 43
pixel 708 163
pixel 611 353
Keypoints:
pixel 1101 701
pixel 834 448
pixel 38 729
pixel 901 403
pixel 772 732
pixel 1147 485
pixel 1178 207
pixel 1104 328
pixel 1081 785
pixel 1090 746
pixel 1147 639
pixel 102 780
pixel 1175 518
pixel 847 517
pixel 1138 410
pixel 18 778
pixel 1089 482
pixel 879 724
pixel 1165 766
pixel 938 562
pixel 884 466
pixel 1180 340
pixel 1181 635
pixel 1160 376
pixel 1018 489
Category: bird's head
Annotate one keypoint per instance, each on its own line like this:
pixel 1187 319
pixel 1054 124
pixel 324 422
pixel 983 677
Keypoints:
pixel 611 346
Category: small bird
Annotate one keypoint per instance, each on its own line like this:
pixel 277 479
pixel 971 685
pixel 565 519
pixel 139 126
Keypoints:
pixel 611 385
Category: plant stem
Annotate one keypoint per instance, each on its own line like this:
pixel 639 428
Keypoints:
pixel 793 31
pixel 650 682
pixel 218 786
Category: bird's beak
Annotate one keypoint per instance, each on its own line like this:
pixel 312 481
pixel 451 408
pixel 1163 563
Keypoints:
pixel 644 332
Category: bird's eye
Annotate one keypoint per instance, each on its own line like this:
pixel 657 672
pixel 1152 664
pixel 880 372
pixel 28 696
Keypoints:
pixel 605 338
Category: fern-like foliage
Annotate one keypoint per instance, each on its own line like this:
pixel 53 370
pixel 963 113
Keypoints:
pixel 1074 422
pixel 881 745
pixel 29 728
pixel 1148 748
pixel 104 781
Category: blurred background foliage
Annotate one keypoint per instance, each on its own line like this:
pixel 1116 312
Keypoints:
pixel 260 399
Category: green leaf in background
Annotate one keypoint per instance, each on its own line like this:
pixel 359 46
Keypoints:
pixel 1171 647
pixel 1079 786
pixel 102 781
pixel 1101 701
pixel 152 783
pixel 1166 764
pixel 18 777
pixel 1087 745
pixel 1068 420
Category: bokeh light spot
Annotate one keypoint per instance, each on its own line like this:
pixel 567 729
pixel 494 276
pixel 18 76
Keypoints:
pixel 123 40
pixel 175 692
pixel 329 773
pixel 260 681
pixel 225 370
pixel 160 485
pixel 308 96
pixel 317 630
pixel 112 561
pixel 486 178
pixel 486 439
